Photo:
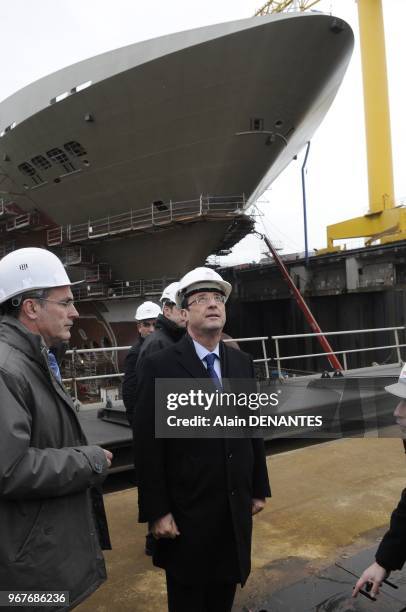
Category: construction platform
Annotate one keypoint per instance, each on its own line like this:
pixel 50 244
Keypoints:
pixel 331 503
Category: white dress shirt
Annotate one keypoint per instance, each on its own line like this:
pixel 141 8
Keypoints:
pixel 202 352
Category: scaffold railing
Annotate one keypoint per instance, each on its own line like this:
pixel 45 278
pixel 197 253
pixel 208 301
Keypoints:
pixel 397 345
pixel 8 208
pixel 123 289
pixel 158 215
pixel 87 356
pixel 77 256
pixel 21 221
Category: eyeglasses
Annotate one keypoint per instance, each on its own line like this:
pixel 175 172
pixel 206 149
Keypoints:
pixel 65 303
pixel 206 299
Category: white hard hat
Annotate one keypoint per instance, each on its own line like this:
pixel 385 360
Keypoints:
pixel 201 279
pixel 399 388
pixel 147 310
pixel 169 293
pixel 29 269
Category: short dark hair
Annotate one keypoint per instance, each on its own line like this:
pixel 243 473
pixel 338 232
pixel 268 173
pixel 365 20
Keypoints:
pixel 12 307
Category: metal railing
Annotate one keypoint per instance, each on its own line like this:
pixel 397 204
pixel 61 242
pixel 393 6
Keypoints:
pixel 344 353
pixel 76 256
pixel 100 272
pixel 122 289
pixel 265 359
pixel 74 357
pixel 9 208
pixel 74 353
pixel 158 214
pixel 97 353
pixel 91 290
pixel 21 221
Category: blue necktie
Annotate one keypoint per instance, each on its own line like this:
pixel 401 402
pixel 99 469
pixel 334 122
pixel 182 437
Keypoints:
pixel 210 359
pixel 53 364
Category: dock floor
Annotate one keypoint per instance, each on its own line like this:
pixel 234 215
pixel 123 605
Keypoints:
pixel 330 501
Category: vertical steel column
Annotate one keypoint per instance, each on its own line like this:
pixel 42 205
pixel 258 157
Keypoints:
pixel 266 359
pixel 376 105
pixel 304 203
pixel 397 345
pixel 277 358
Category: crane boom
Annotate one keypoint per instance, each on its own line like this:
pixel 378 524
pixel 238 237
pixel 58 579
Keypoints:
pixel 280 6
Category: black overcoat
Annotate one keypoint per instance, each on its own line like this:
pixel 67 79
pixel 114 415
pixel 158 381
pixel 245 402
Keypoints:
pixel 207 484
pixel 391 553
pixel 129 385
pixel 165 334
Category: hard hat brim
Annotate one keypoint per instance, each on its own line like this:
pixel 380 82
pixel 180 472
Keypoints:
pixel 217 285
pixel 398 389
pixel 39 288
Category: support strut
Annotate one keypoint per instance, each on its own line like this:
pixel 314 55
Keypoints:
pixel 333 360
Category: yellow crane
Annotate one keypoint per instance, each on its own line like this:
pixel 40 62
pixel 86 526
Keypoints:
pixel 280 6
pixel 384 221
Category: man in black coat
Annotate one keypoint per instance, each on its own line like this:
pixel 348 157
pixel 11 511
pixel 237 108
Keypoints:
pixel 199 495
pixel 170 326
pixel 145 315
pixel 391 553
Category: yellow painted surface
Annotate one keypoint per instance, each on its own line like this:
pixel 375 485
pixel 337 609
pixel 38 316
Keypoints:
pixel 376 105
pixel 376 225
pixel 326 499
pixel 391 222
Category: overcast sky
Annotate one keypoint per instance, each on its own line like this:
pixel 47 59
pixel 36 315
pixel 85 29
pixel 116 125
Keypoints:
pixel 41 37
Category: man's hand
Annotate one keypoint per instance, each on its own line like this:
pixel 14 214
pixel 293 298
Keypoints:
pixel 165 527
pixel 374 574
pixel 257 505
pixel 109 456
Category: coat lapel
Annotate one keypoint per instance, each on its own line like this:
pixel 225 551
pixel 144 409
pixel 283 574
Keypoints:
pixel 224 360
pixel 188 359
pixel 190 362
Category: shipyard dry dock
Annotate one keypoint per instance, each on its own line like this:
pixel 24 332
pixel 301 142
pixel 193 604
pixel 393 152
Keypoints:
pixel 331 504
pixel 350 290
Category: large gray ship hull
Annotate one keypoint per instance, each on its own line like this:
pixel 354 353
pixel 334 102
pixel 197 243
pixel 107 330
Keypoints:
pixel 218 110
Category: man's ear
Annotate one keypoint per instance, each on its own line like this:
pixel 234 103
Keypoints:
pixel 185 314
pixel 29 308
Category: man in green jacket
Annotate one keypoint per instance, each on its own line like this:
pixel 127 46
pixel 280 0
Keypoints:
pixel 52 521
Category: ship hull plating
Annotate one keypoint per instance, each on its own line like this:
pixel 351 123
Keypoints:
pixel 167 120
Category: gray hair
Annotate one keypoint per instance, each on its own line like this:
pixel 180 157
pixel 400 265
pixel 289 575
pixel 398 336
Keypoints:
pixel 12 307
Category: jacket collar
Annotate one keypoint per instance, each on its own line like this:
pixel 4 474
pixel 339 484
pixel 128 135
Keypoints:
pixel 172 329
pixel 190 361
pixel 19 337
pixel 15 334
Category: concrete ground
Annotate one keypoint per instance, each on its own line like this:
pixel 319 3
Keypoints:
pixel 329 501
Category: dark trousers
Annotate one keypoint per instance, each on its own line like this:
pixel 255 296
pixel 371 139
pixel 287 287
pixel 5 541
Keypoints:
pixel 215 597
